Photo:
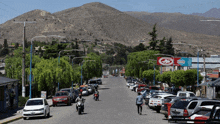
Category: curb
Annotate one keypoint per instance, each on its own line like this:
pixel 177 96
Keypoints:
pixel 14 119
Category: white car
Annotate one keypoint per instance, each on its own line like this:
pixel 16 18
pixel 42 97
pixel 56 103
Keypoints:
pixel 157 101
pixel 85 91
pixel 36 107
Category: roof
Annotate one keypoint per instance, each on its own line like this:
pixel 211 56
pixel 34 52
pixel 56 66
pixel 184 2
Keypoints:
pixel 36 99
pixel 5 80
pixel 184 92
pixel 215 82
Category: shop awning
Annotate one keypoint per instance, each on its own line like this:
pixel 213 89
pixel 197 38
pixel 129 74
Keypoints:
pixel 215 82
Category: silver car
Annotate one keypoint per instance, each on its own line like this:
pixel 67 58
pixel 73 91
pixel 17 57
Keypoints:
pixel 187 108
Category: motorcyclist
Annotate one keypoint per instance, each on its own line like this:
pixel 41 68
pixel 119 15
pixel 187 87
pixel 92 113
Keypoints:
pixel 80 99
pixel 96 92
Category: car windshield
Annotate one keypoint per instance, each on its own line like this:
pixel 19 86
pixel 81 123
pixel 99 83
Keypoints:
pixel 34 102
pixel 93 82
pixel 180 104
pixel 61 94
pixel 68 90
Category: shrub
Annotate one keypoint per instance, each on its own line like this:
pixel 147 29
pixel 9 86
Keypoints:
pixel 22 100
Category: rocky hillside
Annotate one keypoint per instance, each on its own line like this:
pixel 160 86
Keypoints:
pixel 94 21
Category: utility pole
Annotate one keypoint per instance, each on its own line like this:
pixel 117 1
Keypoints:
pixel 23 56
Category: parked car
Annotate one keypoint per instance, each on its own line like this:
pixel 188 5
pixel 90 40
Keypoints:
pixel 193 106
pixel 75 94
pixel 140 87
pixel 185 94
pixel 129 83
pixel 36 107
pixel 61 97
pixel 91 89
pixel 70 91
pixel 212 117
pixel 203 111
pixel 85 91
pixel 94 83
pixel 99 80
pixel 157 101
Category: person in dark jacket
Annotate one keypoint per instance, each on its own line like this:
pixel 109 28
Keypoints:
pixel 139 102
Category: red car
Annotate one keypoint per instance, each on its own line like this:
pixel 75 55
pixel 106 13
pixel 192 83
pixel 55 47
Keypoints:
pixel 61 97
pixel 141 87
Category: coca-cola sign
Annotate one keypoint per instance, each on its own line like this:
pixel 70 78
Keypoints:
pixel 168 61
pixel 164 61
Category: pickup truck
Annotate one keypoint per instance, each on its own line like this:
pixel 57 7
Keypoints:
pixel 185 94
pixel 157 101
pixel 212 118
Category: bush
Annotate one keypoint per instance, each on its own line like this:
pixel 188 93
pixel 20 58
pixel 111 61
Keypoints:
pixel 22 100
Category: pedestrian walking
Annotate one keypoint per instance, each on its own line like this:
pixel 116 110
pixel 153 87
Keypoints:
pixel 139 102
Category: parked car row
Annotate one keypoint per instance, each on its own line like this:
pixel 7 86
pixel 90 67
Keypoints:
pixel 180 106
pixel 36 107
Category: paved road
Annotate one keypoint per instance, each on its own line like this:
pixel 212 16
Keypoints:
pixel 116 106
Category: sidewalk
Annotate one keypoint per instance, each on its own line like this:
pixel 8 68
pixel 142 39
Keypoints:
pixel 13 115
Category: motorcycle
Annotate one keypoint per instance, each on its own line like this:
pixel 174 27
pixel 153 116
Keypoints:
pixel 80 108
pixel 96 96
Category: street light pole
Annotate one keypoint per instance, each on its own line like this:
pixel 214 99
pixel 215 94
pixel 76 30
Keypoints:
pixel 59 61
pixel 81 67
pixel 154 71
pixel 197 59
pixel 23 56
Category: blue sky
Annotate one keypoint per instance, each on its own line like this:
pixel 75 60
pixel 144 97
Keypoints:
pixel 13 8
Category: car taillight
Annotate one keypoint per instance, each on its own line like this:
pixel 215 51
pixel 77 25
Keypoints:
pixel 185 112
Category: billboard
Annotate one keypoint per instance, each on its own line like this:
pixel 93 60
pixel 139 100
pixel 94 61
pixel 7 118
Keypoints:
pixel 168 61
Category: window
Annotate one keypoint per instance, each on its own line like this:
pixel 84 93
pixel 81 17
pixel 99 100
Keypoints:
pixel 217 114
pixel 180 104
pixel 191 94
pixel 193 105
pixel 34 102
pixel 1 93
pixel 209 103
pixel 182 94
pixel 45 101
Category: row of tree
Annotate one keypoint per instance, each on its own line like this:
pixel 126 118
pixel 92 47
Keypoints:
pixel 141 65
pixel 47 72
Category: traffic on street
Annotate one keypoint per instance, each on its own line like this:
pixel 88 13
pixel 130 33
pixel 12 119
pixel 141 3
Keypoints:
pixel 116 104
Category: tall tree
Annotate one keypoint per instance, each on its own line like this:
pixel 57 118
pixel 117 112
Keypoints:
pixel 153 41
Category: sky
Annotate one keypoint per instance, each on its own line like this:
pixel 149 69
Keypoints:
pixel 10 9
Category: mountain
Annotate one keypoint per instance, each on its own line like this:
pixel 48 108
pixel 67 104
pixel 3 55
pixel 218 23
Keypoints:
pixel 181 22
pixel 213 13
pixel 97 21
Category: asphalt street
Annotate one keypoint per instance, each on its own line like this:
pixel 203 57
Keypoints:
pixel 116 106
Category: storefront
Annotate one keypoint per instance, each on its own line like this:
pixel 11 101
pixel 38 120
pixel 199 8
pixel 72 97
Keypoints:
pixel 8 94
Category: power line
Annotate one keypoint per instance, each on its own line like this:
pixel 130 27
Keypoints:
pixel 8 6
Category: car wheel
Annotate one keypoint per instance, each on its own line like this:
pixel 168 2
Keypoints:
pixel 48 115
pixel 158 110
pixel 24 118
pixel 45 114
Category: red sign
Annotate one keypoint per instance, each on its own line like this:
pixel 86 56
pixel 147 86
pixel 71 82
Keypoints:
pixel 167 61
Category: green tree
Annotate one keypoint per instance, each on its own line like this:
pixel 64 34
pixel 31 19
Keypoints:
pixel 153 42
pixel 92 66
pixel 139 47
pixel 135 62
pixel 149 74
pixel 190 77
pixel 177 78
pixel 165 77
